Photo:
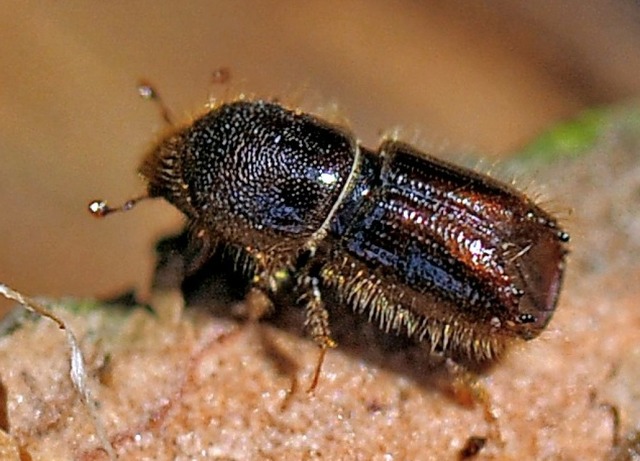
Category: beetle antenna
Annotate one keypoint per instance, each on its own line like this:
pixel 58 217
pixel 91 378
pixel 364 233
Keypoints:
pixel 100 209
pixel 149 93
pixel 221 76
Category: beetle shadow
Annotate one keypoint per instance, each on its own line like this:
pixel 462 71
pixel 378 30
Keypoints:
pixel 220 291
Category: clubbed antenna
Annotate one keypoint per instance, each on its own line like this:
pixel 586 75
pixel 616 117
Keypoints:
pixel 221 76
pixel 149 93
pixel 100 209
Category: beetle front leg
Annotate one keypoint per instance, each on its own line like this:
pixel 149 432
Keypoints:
pixel 267 276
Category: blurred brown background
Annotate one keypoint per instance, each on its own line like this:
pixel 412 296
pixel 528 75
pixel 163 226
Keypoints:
pixel 479 77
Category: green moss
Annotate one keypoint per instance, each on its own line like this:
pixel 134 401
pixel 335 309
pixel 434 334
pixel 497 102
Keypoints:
pixel 568 139
pixel 112 315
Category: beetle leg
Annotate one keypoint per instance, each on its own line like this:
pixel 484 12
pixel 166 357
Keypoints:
pixel 267 275
pixel 258 302
pixel 468 391
pixel 316 322
pixel 199 249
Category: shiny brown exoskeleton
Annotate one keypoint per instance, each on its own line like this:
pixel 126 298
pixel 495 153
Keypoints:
pixel 417 245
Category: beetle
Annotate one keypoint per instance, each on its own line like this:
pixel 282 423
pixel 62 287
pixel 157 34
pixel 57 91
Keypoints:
pixel 420 246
